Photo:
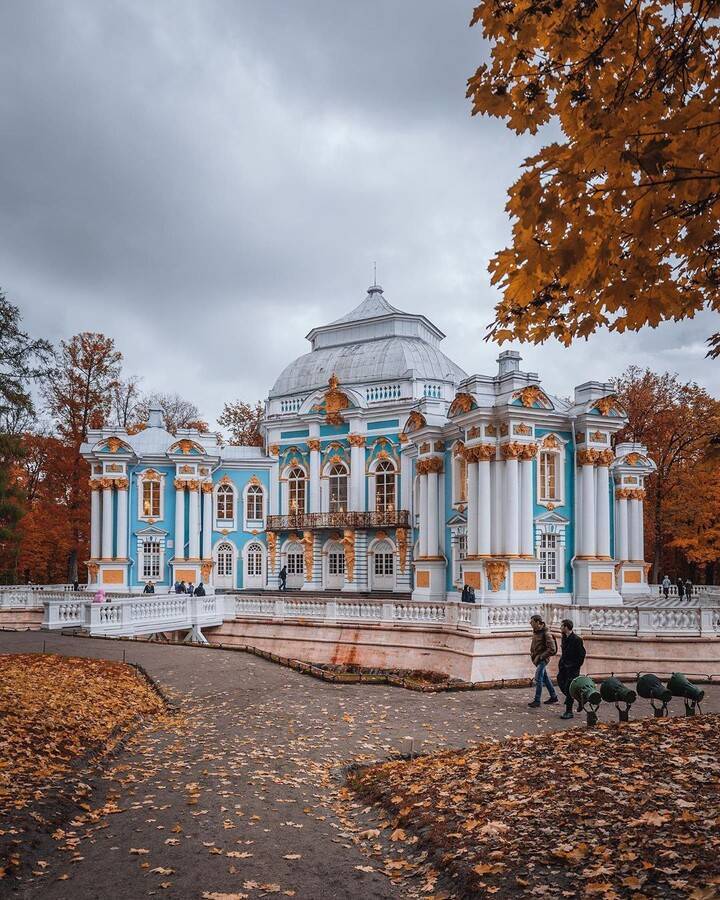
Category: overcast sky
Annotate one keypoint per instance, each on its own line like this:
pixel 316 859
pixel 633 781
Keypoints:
pixel 206 181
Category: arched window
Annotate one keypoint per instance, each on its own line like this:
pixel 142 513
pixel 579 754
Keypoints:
pixel 295 559
pixel 225 556
pixel 548 474
pixel 296 491
pixel 385 486
pixel 338 487
pixel 255 502
pixel 225 503
pixel 254 560
pixel 459 485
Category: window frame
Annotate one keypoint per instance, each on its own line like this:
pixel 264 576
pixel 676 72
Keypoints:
pixel 224 489
pixel 336 504
pixel 385 482
pixel 155 558
pixel 299 487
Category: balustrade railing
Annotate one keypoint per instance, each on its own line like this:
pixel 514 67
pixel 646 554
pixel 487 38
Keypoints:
pixel 395 518
pixel 621 620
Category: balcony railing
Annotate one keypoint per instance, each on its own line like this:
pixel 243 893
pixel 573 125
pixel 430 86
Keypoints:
pixel 395 518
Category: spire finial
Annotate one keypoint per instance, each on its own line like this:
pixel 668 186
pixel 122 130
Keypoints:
pixel 374 273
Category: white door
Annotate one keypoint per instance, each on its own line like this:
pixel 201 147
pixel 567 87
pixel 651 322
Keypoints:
pixel 295 567
pixel 335 568
pixel 383 567
pixel 253 567
pixel 225 568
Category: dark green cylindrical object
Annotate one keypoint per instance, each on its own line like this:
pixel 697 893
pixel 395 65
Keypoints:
pixel 651 688
pixel 679 686
pixel 584 690
pixel 612 690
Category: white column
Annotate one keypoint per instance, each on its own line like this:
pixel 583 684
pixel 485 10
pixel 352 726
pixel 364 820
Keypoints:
pixel 636 552
pixel 497 497
pixel 621 528
pixel 357 474
pixel 484 508
pixel 194 522
pixel 122 519
pixel 207 521
pixel 511 508
pixel 405 482
pixel 423 537
pixel 107 522
pixel 587 492
pixel 179 520
pixel 602 511
pixel 527 543
pixel 314 476
pixel 432 513
pixel 472 504
pixel 95 523
pixel 641 525
pixel 275 508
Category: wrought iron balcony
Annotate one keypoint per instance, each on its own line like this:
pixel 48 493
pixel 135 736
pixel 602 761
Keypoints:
pixel 391 518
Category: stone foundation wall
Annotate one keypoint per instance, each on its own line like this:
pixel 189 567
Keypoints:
pixel 21 619
pixel 460 654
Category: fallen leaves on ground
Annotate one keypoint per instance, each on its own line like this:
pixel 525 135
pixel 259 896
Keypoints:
pixel 622 810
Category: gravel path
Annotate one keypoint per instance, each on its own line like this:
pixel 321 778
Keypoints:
pixel 241 794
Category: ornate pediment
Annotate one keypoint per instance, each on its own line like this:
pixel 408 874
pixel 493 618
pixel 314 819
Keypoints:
pixel 607 406
pixel 416 421
pixel 462 403
pixel 532 397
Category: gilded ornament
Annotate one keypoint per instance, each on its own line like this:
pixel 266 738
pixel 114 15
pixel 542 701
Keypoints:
pixel 225 480
pixel 504 429
pixel 431 464
pixel 438 446
pixel 313 444
pixel 403 438
pixel 604 457
pixel 179 484
pixel 151 521
pixel 121 484
pixel 224 531
pixel 599 437
pixel 94 484
pixel 383 454
pixel 424 448
pixel 193 485
pixel 307 541
pixel 186 470
pixel 605 405
pixel 550 506
pixel 348 542
pixel 510 451
pixel 114 444
pixel 274 449
pixel 580 437
pixel 204 470
pixel 485 452
pixel 115 467
pixel 272 548
pixel 495 569
pixel 523 429
pixel 531 395
pixel 106 483
pixel 93 569
pixel 206 568
pixel 401 536
pixel 462 403
pixel 586 457
pixel 380 535
pixel 185 445
pixel 254 480
pixel 335 402
pixel 550 442
pixel 335 460
pixel 491 430
pixel 207 487
pixel 622 493
pixel 473 432
pixel 356 440
pixel 150 475
pixel 459 449
pixel 528 451
pixel 416 420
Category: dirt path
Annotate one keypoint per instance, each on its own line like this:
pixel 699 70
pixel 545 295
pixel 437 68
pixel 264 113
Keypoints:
pixel 242 796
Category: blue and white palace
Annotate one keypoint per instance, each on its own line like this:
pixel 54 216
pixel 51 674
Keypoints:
pixel 386 467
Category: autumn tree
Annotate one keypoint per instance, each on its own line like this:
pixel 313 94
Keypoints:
pixel 677 422
pixel 177 412
pixel 617 222
pixel 243 421
pixel 80 397
pixel 126 401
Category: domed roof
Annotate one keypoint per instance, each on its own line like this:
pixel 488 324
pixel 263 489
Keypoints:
pixel 375 341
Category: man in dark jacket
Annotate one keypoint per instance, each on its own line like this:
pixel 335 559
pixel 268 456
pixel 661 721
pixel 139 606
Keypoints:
pixel 149 588
pixel 200 590
pixel 572 657
pixel 542 647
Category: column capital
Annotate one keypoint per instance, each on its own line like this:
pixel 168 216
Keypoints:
pixel 94 484
pixel 511 451
pixel 356 440
pixel 106 483
pixel 528 451
pixel 193 485
pixel 433 464
pixel 587 457
pixel 313 444
pixel 480 453
pixel 207 487
pixel 604 458
pixel 122 484
pixel 180 484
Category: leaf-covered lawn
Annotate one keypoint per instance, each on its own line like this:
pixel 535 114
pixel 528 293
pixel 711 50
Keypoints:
pixel 619 811
pixel 54 710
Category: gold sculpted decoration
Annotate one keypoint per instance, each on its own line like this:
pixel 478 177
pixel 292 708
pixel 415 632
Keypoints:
pixel 605 405
pixel 307 541
pixel 114 444
pixel 254 480
pixel 185 445
pixel 491 431
pixel 272 548
pixel 94 484
pixel 550 442
pixel 522 428
pixel 225 480
pixel 186 470
pixel 531 395
pixel 485 452
pixel 415 421
pixel 380 535
pixel 528 451
pixel 115 467
pixel 424 448
pixel 348 542
pixel 93 569
pixel 402 544
pixel 335 402
pixel 121 484
pixel 587 457
pixel 459 449
pixel 580 437
pixel 431 464
pixel 438 446
pixel 205 569
pixel 313 444
pixel 604 457
pixel 462 403
pixel 193 485
pixel 179 484
pixel 356 440
pixel 402 437
pixel 150 475
pixel 622 493
pixel 274 449
pixel 473 432
pixel 511 451
pixel 599 437
pixel 504 429
pixel 207 487
pixel 106 483
pixel 495 570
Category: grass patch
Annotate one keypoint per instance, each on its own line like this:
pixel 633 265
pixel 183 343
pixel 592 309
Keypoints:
pixel 629 810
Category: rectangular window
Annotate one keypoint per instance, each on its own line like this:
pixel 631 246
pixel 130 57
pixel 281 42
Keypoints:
pixel 151 560
pixel 548 476
pixel 336 564
pixel 295 564
pixel 384 564
pixel 151 499
pixel 548 557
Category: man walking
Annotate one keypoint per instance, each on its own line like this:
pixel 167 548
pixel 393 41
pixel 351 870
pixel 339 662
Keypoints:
pixel 572 657
pixel 283 578
pixel 542 647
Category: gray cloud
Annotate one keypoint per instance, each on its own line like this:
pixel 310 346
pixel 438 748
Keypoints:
pixel 207 181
